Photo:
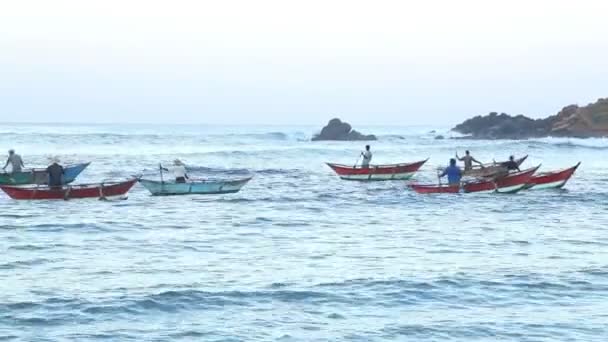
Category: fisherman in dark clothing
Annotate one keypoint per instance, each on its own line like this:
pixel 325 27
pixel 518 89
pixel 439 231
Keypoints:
pixel 55 172
pixel 511 164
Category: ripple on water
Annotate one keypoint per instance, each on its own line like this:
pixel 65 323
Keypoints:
pixel 300 255
pixel 24 264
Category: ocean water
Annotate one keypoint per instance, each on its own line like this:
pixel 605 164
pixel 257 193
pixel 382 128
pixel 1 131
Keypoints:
pixel 298 254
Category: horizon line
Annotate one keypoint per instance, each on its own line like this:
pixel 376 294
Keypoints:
pixel 99 123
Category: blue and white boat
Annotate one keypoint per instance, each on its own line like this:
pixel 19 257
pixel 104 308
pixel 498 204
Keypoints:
pixel 40 176
pixel 200 187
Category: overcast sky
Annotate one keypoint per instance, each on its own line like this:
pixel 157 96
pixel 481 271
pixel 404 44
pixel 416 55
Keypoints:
pixel 298 62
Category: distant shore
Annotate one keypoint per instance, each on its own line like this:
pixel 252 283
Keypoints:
pixel 572 121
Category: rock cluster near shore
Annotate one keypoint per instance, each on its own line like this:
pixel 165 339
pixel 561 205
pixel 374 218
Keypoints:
pixel 503 126
pixel 571 121
pixel 339 130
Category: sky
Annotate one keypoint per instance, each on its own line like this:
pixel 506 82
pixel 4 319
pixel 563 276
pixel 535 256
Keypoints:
pixel 298 62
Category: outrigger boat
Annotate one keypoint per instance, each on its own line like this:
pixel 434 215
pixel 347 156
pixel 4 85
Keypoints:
pixel 67 192
pixel 510 183
pixel 377 172
pixel 192 186
pixel 551 180
pixel 201 187
pixel 40 176
pixel 491 169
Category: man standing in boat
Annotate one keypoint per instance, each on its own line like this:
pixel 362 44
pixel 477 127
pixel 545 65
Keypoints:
pixel 367 157
pixel 15 160
pixel 55 172
pixel 179 171
pixel 468 160
pixel 511 164
pixel 453 172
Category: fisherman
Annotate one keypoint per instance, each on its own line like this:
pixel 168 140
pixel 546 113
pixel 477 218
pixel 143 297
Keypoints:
pixel 367 157
pixel 179 171
pixel 15 160
pixel 511 164
pixel 468 160
pixel 55 173
pixel 453 172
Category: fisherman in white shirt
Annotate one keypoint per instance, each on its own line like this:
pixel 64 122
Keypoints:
pixel 179 171
pixel 367 157
pixel 15 160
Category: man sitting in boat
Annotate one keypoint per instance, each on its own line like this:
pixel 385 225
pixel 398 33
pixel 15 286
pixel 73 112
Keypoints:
pixel 511 164
pixel 453 172
pixel 179 171
pixel 55 172
pixel 367 157
pixel 15 160
pixel 468 160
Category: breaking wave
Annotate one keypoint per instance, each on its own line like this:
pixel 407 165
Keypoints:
pixel 568 143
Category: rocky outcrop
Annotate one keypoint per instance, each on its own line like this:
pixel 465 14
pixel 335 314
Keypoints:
pixel 338 130
pixel 571 121
pixel 503 126
pixel 588 121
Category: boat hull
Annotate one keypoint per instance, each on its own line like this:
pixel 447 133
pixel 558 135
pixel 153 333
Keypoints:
pixel 377 172
pixel 435 189
pixel 103 190
pixel 40 176
pixel 157 188
pixel 511 183
pixel 552 180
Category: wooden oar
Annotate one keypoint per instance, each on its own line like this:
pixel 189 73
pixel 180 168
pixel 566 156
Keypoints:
pixel 357 162
pixel 438 178
pixel 102 197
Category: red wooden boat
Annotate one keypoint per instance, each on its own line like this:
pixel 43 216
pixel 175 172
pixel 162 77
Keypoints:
pixel 377 172
pixel 510 183
pixel 553 179
pixel 435 189
pixel 101 191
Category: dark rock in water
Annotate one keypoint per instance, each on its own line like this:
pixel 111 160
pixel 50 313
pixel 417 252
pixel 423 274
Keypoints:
pixel 571 121
pixel 503 126
pixel 439 137
pixel 432 132
pixel 338 130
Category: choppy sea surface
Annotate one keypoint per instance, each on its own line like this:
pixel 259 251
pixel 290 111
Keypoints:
pixel 298 254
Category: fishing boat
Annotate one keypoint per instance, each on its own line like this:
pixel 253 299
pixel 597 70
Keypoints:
pixel 200 187
pixel 552 179
pixel 40 176
pixel 491 169
pixel 101 190
pixel 435 189
pixel 377 172
pixel 510 183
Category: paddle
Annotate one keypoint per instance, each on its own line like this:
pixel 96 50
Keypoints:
pixel 438 176
pixel 357 162
pixel 160 167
